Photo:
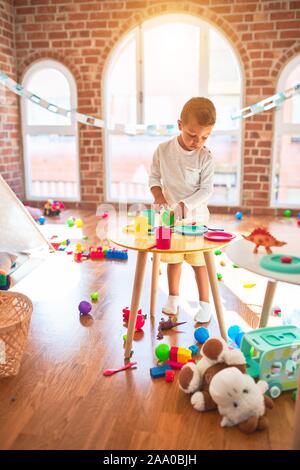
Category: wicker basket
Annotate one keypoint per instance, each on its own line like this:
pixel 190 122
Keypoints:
pixel 15 315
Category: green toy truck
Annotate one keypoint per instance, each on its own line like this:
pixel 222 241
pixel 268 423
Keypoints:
pixel 273 354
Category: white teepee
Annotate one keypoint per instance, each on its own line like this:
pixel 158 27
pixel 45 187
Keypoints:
pixel 18 231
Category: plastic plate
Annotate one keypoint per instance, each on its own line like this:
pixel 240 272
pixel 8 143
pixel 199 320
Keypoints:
pixel 219 236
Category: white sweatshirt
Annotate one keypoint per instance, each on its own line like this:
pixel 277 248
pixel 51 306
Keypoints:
pixel 184 176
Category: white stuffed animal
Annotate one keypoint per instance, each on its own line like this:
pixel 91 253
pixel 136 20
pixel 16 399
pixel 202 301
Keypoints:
pixel 240 400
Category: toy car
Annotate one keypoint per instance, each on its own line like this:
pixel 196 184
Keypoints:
pixel 273 354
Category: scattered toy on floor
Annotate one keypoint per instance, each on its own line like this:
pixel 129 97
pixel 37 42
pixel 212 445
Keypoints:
pixel 239 215
pixel 166 325
pixel 276 311
pixel 52 208
pixel 261 237
pixel 287 213
pixel 129 365
pixel 5 280
pixel 241 402
pixel 84 307
pixel 273 354
pixel 42 220
pixel 249 285
pixel 218 252
pixel 236 333
pixel 201 334
pixel 219 276
pixel 94 296
pixel 140 319
pixel 195 378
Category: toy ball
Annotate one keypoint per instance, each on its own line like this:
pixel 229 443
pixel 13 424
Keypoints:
pixel 298 223
pixel 162 352
pixel 217 252
pixel 239 215
pixel 41 220
pixel 201 334
pixel 70 222
pixel 238 338
pixel 233 332
pixel 94 296
pixel 78 223
pixel 298 215
pixel 219 276
pixel 287 213
pixel 84 307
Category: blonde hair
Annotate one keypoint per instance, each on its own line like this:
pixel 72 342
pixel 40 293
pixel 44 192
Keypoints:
pixel 202 109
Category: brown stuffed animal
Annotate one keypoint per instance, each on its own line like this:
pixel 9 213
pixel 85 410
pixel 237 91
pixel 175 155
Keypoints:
pixel 196 378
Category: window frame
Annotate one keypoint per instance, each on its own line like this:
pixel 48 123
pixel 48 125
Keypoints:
pixel 137 33
pixel 33 130
pixel 280 129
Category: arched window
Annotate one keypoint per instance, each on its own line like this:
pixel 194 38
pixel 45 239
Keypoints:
pixel 152 73
pixel 50 141
pixel 286 144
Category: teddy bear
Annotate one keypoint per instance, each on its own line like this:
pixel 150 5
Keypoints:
pixel 240 400
pixel 195 378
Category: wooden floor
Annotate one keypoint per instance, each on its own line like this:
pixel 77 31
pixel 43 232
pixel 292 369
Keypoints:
pixel 61 400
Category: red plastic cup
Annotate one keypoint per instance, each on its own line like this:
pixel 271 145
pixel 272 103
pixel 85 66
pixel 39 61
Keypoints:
pixel 163 238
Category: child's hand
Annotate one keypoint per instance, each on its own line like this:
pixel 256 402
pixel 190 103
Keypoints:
pixel 160 200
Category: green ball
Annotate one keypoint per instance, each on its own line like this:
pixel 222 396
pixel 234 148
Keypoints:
pixel 219 276
pixel 94 296
pixel 70 222
pixel 218 252
pixel 287 213
pixel 162 352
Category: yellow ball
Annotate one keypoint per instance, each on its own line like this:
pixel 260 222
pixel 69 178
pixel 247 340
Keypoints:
pixel 78 223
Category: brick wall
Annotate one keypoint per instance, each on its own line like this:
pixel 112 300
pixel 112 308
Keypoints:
pixel 81 34
pixel 11 166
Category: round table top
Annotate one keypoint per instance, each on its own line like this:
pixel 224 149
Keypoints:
pixel 179 243
pixel 242 254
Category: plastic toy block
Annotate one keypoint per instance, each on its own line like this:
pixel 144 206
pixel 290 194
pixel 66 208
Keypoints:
pixel 116 254
pixel 78 257
pixel 173 353
pixel 183 355
pixel 174 364
pixel 160 371
pixel 170 374
pixel 96 252
pixel 194 349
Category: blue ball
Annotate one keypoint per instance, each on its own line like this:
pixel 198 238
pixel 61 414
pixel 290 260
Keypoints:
pixel 201 334
pixel 41 220
pixel 238 338
pixel 239 215
pixel 298 215
pixel 233 331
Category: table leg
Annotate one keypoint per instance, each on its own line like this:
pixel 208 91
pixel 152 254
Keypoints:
pixel 135 299
pixel 211 270
pixel 296 432
pixel 154 282
pixel 268 300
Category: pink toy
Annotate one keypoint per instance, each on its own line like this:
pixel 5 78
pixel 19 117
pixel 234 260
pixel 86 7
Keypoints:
pixel 163 238
pixel 140 319
pixel 126 313
pixel 108 372
pixel 298 223
pixel 104 215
